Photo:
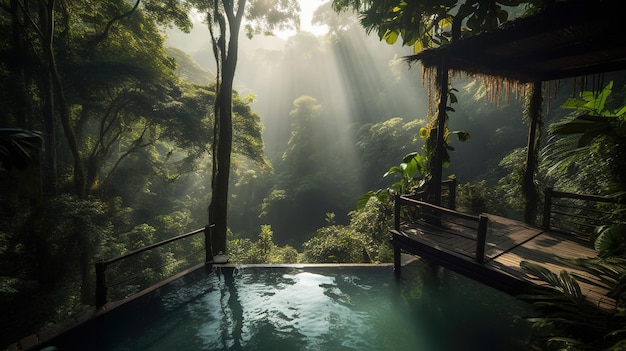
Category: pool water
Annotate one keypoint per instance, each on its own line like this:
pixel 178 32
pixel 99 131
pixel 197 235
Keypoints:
pixel 311 308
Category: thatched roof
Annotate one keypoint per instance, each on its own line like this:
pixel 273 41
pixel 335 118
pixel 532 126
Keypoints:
pixel 571 39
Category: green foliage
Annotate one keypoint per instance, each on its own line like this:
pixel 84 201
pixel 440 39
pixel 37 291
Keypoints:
pixel 224 21
pixel 477 198
pixel 248 140
pixel 68 220
pixel 174 222
pixel 508 186
pixel 264 250
pixel 585 155
pixel 426 24
pixel 567 320
pixel 142 135
pixel 411 172
pixel 592 103
pixel 372 222
pixel 416 169
pixel 317 174
pixel 590 142
pixel 264 17
pixel 334 244
pixel 610 240
pixel 391 20
pixel 383 141
pixel 365 239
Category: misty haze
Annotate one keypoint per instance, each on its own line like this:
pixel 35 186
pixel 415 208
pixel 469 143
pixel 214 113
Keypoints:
pixel 127 124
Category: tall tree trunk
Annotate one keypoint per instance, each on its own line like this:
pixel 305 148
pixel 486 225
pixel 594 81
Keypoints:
pixel 219 199
pixel 47 18
pixel 226 56
pixel 23 105
pixel 529 187
pixel 57 94
pixel 50 133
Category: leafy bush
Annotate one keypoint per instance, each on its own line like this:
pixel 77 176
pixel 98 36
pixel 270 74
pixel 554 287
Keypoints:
pixel 477 198
pixel 335 244
pixel 264 250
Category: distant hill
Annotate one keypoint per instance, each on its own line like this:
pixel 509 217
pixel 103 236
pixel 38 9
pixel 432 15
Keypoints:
pixel 188 69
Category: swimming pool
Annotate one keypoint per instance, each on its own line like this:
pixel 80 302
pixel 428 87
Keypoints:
pixel 310 308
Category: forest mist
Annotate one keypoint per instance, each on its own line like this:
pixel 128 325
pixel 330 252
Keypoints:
pixel 354 82
pixel 318 121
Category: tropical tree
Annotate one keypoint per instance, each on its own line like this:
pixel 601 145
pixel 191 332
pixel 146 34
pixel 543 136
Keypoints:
pixel 263 250
pixel 48 37
pixel 312 178
pixel 364 239
pixel 377 143
pixel 224 19
pixel 427 24
pixel 129 98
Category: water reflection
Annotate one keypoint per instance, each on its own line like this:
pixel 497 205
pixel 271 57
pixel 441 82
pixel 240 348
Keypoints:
pixel 304 308
pixel 339 308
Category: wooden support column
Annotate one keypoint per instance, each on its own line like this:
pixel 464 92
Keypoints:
pixel 437 162
pixel 529 188
pixel 481 238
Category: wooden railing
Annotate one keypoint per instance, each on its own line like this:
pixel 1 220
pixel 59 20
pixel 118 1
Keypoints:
pixel 416 211
pixel 448 193
pixel 101 266
pixel 577 215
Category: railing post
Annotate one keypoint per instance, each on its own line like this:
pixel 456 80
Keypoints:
pixel 208 243
pixel 452 193
pixel 397 258
pixel 481 238
pixel 396 212
pixel 101 285
pixel 547 209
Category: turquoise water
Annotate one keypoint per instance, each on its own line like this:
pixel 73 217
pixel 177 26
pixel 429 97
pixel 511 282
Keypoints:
pixel 312 308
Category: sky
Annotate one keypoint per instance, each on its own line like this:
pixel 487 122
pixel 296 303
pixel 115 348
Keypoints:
pixel 307 8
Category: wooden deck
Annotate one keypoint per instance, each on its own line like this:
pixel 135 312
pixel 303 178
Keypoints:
pixel 508 243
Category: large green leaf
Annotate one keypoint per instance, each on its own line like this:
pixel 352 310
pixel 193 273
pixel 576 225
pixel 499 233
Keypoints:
pixel 390 36
pixel 563 281
pixel 462 135
pixel 611 240
pixel 17 147
pixel 577 125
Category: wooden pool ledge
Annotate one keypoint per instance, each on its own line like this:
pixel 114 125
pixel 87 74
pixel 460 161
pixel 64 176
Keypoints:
pixel 506 243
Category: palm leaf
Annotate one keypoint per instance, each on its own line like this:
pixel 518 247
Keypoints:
pixel 564 282
pixel 17 147
pixel 609 273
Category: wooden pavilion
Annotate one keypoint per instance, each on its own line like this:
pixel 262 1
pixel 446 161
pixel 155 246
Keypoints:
pixel 570 39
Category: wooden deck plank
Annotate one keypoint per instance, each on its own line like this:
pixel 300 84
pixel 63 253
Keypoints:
pixel 509 242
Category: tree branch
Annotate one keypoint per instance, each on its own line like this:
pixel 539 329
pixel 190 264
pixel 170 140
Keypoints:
pixel 137 144
pixel 111 22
